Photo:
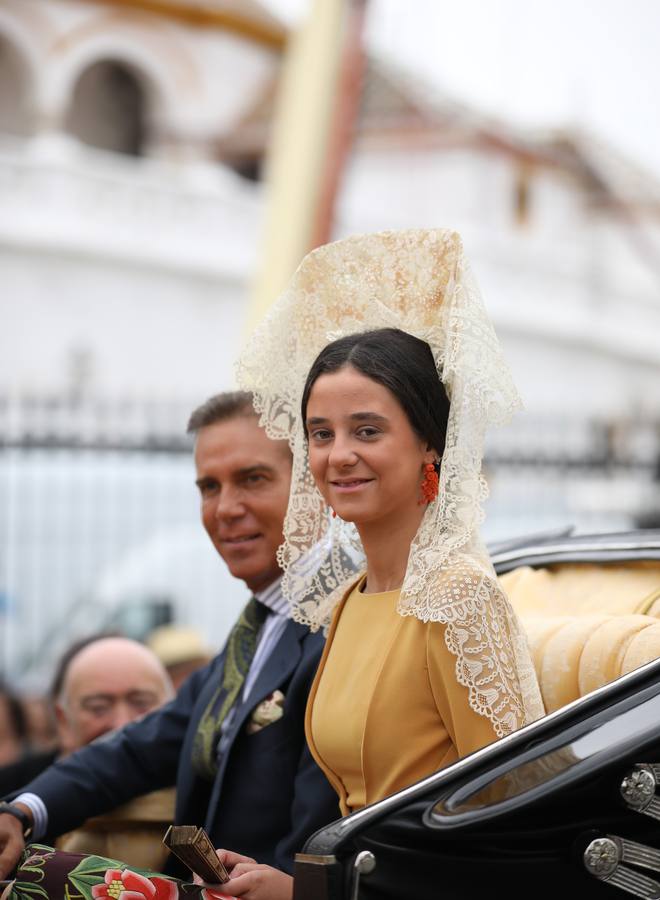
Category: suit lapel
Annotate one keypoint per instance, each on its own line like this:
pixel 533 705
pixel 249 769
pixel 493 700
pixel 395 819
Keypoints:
pixel 276 671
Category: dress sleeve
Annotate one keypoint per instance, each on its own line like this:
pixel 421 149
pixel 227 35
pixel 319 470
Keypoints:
pixel 488 651
pixel 467 729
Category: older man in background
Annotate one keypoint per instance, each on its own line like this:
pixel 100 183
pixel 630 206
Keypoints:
pixel 106 683
pixel 102 683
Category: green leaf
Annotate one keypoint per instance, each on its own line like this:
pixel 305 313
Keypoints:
pixel 26 889
pixel 84 887
pixel 69 896
pixel 96 865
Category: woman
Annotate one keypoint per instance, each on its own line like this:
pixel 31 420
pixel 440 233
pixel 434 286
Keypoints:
pixel 380 367
pixel 376 415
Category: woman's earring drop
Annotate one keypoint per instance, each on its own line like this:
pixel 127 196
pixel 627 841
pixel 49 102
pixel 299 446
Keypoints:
pixel 430 484
pixel 334 514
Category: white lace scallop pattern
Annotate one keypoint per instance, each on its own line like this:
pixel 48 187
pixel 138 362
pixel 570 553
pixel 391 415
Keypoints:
pixel 418 281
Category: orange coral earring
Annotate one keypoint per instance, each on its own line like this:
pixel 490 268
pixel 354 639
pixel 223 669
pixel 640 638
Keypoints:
pixel 334 514
pixel 430 484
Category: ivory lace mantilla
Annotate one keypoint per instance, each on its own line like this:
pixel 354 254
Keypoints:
pixel 418 281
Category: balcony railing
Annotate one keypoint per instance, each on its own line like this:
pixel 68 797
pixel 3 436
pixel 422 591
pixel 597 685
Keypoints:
pixel 60 196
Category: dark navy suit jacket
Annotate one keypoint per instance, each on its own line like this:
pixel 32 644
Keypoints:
pixel 269 795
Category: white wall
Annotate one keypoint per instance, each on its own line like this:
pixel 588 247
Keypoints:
pixel 139 266
pixel 160 333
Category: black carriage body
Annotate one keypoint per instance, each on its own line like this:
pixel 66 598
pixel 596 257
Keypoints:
pixel 513 820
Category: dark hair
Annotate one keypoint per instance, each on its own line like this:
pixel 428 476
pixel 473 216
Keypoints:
pixel 220 407
pixel 400 362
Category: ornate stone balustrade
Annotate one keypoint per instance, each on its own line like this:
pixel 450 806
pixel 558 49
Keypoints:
pixel 59 196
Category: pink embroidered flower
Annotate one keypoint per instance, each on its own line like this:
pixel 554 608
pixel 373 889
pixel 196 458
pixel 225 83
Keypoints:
pixel 210 894
pixel 129 885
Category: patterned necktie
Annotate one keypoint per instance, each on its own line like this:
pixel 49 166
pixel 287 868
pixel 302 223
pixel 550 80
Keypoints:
pixel 241 646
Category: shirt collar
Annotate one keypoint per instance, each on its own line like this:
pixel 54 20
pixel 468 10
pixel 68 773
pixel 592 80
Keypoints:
pixel 272 597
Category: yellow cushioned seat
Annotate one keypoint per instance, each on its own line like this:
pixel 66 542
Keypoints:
pixel 569 589
pixel 574 655
pixel 604 650
pixel 540 632
pixel 642 648
pixel 559 669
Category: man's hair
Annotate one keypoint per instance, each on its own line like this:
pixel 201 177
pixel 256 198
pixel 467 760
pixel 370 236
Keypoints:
pixel 219 408
pixel 69 655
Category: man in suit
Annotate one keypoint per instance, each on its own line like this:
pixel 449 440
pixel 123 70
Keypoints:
pixel 101 682
pixel 233 739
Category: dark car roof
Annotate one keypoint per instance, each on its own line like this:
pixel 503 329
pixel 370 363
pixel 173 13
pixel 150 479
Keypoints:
pixel 563 546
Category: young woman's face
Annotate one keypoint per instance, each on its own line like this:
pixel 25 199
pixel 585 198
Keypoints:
pixel 365 457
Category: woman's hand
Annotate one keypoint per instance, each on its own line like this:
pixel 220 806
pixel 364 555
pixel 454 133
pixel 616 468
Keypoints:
pixel 252 880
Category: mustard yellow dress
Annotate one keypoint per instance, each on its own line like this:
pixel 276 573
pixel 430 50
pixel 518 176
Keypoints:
pixel 385 708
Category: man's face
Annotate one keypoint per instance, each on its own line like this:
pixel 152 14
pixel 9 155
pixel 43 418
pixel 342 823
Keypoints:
pixel 111 682
pixel 243 479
